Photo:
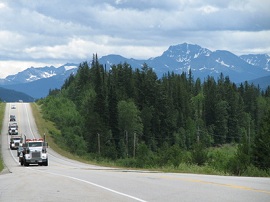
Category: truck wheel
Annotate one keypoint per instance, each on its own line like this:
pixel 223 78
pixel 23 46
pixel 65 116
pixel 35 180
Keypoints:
pixel 45 163
pixel 25 163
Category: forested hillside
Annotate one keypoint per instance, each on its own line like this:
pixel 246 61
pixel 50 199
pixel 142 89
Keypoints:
pixel 8 95
pixel 119 113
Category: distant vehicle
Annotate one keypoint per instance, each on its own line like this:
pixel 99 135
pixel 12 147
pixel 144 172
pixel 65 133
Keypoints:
pixel 13 107
pixel 13 124
pixel 13 128
pixel 15 142
pixel 13 131
pixel 12 118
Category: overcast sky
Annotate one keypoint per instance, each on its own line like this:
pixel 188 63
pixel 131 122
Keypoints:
pixel 54 32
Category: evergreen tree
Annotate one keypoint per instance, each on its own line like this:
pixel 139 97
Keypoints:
pixel 235 112
pixel 261 147
pixel 113 119
pixel 221 124
pixel 130 124
pixel 210 101
pixel 100 106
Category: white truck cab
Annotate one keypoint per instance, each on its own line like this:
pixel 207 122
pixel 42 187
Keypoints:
pixel 15 142
pixel 34 152
pixel 13 128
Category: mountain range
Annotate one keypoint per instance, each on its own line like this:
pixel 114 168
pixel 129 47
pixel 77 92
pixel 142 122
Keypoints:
pixel 36 82
pixel 202 62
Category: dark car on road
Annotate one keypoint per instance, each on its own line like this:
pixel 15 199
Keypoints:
pixel 12 118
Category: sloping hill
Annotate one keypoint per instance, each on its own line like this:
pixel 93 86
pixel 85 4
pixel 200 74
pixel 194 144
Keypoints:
pixel 39 88
pixel 8 95
pixel 262 82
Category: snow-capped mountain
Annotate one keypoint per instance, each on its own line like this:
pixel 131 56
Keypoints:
pixel 36 82
pixel 35 73
pixel 258 60
pixel 202 62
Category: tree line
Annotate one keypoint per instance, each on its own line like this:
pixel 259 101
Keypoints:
pixel 117 113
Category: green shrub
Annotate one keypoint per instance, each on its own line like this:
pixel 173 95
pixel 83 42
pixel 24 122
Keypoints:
pixel 127 162
pixel 2 111
pixel 1 163
pixel 220 157
pixel 191 168
pixel 199 154
pixel 169 156
pixel 256 172
pixel 144 157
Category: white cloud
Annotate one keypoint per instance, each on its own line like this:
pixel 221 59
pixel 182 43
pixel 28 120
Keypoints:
pixel 208 9
pixel 2 5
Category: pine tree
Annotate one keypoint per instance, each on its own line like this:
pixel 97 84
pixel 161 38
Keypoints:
pixel 113 119
pixel 261 147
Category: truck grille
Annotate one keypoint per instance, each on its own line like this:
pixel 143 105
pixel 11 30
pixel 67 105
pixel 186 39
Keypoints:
pixel 36 154
pixel 17 144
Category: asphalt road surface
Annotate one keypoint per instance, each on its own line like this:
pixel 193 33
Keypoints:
pixel 67 180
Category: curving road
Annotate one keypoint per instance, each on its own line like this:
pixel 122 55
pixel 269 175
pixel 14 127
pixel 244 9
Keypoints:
pixel 68 180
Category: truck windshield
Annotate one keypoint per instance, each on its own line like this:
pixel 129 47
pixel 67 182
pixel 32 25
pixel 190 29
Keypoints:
pixel 35 144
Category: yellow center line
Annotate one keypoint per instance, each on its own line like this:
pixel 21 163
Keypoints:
pixel 217 184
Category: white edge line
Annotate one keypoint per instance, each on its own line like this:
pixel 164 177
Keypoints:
pixel 16 160
pixel 91 183
pixel 28 120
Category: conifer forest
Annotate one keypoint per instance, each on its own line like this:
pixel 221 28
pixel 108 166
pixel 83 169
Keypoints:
pixel 124 114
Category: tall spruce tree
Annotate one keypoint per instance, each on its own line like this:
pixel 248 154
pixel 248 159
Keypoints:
pixel 261 146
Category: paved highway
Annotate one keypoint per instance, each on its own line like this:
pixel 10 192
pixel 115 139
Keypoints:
pixel 68 180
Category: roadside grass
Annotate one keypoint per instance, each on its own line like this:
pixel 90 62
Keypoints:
pixel 2 112
pixel 194 169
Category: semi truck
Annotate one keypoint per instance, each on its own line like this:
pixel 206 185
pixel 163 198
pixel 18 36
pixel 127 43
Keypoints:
pixel 34 152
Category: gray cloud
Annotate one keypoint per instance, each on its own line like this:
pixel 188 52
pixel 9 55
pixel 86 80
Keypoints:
pixel 58 31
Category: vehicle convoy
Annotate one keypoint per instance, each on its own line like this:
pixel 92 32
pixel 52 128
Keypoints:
pixel 12 118
pixel 13 128
pixel 19 150
pixel 15 142
pixel 34 152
